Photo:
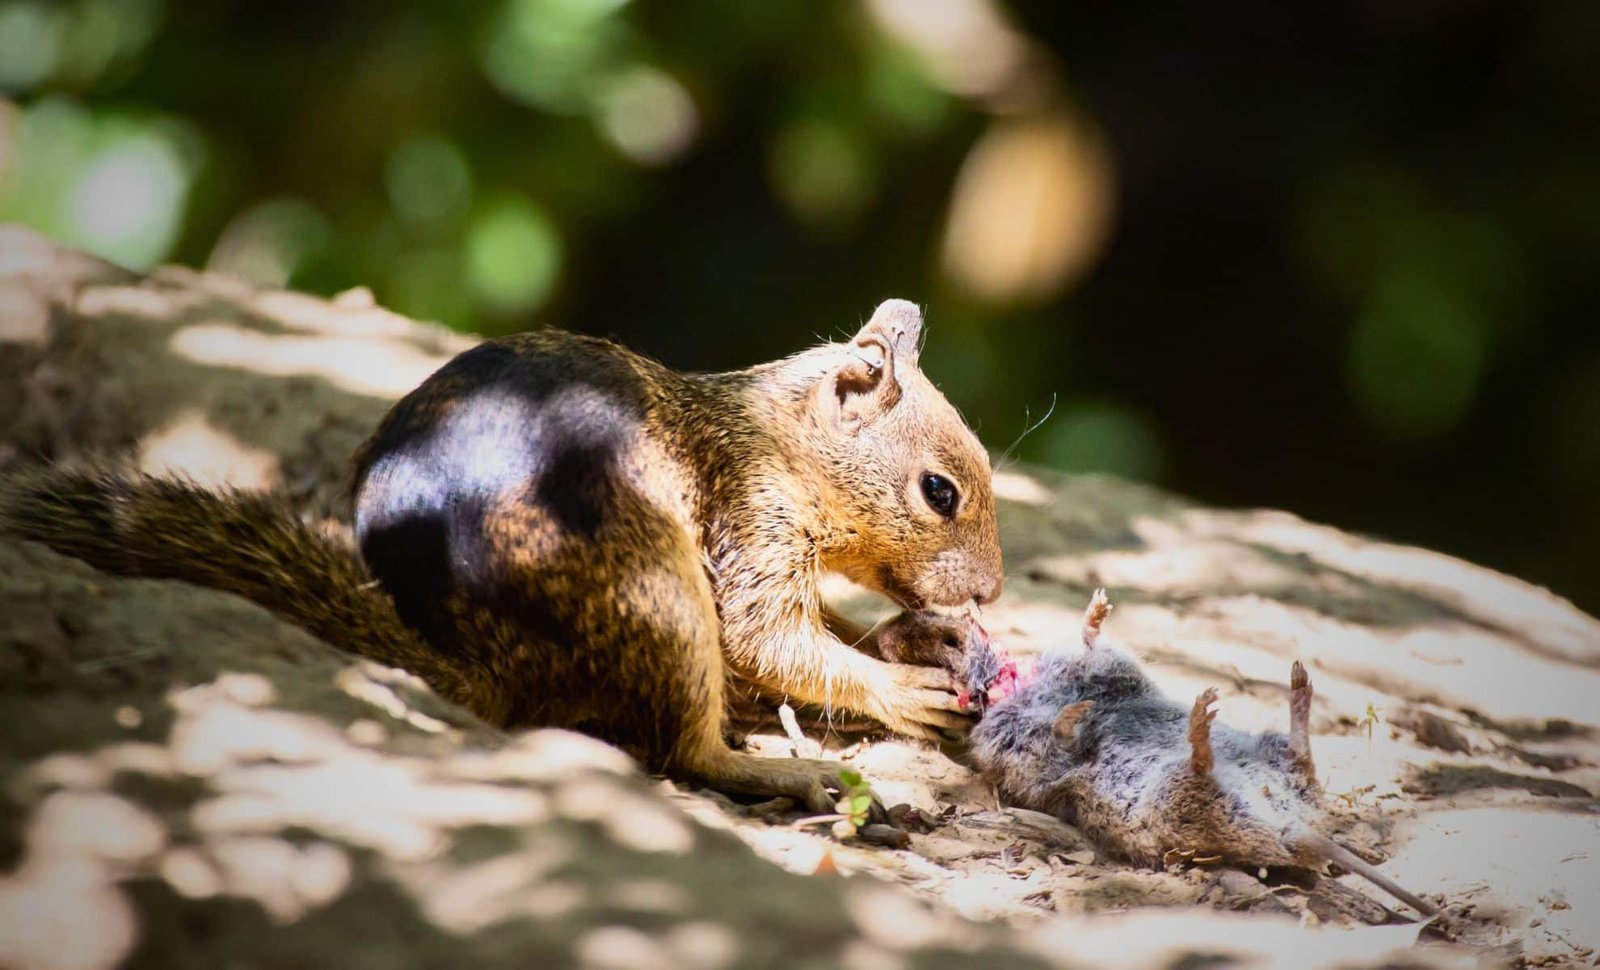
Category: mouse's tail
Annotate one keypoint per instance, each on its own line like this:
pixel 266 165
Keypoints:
pixel 1334 852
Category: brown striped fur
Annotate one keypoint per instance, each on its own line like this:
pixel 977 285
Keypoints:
pixel 554 530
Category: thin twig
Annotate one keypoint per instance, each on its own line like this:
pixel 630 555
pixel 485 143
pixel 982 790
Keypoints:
pixel 800 746
pixel 808 821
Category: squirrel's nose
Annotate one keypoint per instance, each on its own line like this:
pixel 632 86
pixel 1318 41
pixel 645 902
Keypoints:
pixel 983 596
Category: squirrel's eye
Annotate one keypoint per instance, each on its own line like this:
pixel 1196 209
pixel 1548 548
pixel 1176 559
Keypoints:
pixel 940 493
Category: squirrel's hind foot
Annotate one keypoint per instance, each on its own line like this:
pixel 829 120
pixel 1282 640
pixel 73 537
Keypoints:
pixel 812 783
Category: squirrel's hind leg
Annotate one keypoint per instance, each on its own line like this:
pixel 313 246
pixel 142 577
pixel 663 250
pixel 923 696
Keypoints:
pixel 645 622
pixel 701 751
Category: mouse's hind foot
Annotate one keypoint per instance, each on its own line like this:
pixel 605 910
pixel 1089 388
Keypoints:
pixel 1300 722
pixel 1094 615
pixel 1200 718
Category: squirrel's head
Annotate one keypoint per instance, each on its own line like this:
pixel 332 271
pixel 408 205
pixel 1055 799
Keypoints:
pixel 910 482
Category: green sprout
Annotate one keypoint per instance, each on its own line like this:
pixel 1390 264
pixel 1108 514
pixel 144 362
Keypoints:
pixel 1369 721
pixel 851 811
pixel 856 799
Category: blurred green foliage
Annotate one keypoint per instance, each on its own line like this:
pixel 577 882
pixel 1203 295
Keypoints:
pixel 1341 260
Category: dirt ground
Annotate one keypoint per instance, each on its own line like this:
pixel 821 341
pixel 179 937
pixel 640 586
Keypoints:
pixel 1453 725
pixel 184 778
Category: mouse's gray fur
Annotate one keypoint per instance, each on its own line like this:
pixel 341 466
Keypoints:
pixel 1088 738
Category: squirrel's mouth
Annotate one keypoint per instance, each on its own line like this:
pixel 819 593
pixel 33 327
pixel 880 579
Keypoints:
pixel 910 598
pixel 890 585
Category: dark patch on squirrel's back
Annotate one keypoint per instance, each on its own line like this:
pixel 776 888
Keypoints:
pixel 410 556
pixel 538 418
pixel 580 483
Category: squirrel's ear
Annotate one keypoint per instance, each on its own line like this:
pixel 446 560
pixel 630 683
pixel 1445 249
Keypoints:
pixel 897 326
pixel 864 385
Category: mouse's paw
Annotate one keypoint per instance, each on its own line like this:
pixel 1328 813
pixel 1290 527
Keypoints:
pixel 1300 721
pixel 1200 718
pixel 1094 615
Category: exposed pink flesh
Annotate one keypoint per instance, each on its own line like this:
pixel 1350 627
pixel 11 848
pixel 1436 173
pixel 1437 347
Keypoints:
pixel 1007 681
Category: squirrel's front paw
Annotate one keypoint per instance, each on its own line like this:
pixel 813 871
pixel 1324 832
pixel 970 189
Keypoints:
pixel 921 702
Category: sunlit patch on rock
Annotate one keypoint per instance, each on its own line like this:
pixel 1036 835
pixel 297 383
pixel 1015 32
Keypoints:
pixel 1017 487
pixel 285 879
pixel 24 316
pixel 364 365
pixel 628 817
pixel 131 301
pixel 61 908
pixel 355 682
pixel 190 444
pixel 622 948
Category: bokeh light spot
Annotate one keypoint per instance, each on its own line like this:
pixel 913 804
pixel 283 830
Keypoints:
pixel 967 43
pixel 428 180
pixel 114 184
pixel 30 37
pixel 513 256
pixel 648 115
pixel 548 53
pixel 1032 209
pixel 901 92
pixel 128 203
pixel 267 243
pixel 71 43
pixel 821 172
pixel 1415 357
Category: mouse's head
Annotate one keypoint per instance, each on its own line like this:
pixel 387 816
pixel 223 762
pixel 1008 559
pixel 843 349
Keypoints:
pixel 912 506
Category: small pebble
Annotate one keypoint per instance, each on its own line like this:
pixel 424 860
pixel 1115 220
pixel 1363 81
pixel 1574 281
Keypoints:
pixel 886 835
pixel 911 819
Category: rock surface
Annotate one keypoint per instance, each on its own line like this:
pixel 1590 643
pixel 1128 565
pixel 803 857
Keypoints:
pixel 189 781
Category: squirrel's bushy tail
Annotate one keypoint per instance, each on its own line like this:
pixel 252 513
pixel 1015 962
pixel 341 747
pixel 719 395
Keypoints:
pixel 132 524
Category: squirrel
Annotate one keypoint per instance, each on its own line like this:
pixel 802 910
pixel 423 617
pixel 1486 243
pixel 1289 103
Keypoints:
pixel 553 530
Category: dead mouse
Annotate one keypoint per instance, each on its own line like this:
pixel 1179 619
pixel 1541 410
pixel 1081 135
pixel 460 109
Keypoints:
pixel 1086 736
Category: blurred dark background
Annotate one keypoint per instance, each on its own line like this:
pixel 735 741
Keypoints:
pixel 1336 258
